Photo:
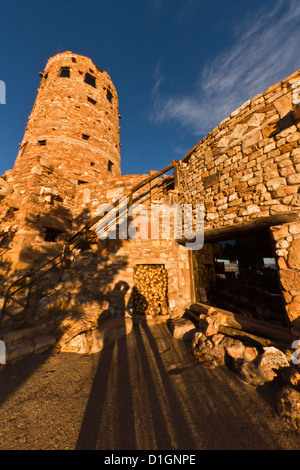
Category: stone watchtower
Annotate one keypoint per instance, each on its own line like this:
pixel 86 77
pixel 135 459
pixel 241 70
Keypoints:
pixel 71 141
pixel 74 122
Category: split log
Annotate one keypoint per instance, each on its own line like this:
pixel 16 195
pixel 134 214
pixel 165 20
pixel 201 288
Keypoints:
pixel 235 333
pixel 250 325
pixel 202 309
pixel 191 314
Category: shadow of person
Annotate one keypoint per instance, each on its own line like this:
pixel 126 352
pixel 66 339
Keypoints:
pixel 117 298
pixel 138 303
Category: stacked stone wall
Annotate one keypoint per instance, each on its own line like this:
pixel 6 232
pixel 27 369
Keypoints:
pixel 246 172
pixel 73 122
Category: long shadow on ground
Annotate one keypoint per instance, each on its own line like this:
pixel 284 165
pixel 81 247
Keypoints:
pixel 144 392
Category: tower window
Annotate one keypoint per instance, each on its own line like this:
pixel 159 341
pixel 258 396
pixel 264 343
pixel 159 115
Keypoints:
pixel 41 143
pixel 51 235
pixel 90 100
pixel 64 72
pixel 85 136
pixel 90 80
pixel 109 96
pixel 110 165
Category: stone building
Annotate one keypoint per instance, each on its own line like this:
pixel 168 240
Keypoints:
pixel 67 166
pixel 246 172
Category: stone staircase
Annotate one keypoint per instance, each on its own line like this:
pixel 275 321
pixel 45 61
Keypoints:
pixel 62 320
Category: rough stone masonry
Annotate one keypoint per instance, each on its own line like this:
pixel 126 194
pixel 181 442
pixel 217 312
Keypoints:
pixel 246 172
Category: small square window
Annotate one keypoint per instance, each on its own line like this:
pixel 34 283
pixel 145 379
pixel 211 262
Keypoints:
pixel 64 72
pixel 85 136
pixel 90 80
pixel 90 100
pixel 109 96
pixel 41 143
pixel 110 165
pixel 51 235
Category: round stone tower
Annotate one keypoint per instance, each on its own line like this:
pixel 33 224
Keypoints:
pixel 74 123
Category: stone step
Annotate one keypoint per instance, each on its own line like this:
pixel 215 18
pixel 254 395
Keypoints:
pixel 25 347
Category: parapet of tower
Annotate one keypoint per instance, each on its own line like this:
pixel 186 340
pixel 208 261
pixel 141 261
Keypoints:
pixel 74 122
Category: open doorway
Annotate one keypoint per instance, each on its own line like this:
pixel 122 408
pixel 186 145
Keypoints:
pixel 238 273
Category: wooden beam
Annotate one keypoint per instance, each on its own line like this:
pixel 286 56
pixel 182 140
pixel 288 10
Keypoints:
pixel 233 333
pixel 246 324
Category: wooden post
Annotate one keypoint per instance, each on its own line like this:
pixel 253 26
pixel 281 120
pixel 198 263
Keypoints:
pixel 176 175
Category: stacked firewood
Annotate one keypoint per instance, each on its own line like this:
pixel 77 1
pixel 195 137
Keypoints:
pixel 150 290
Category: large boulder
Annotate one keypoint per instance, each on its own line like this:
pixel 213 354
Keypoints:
pixel 273 358
pixel 253 375
pixel 182 328
pixel 263 368
pixel 288 405
pixel 233 347
pixel 94 340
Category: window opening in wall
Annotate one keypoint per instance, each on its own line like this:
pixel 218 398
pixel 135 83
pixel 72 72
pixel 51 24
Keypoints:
pixel 64 72
pixel 51 234
pixel 90 100
pixel 74 59
pixel 92 163
pixel 81 182
pixel 239 274
pixel 42 143
pixel 46 76
pixel 90 80
pixel 109 96
pixel 168 184
pixel 85 136
pixel 110 165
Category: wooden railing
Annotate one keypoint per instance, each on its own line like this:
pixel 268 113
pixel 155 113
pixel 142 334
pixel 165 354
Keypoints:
pixel 27 281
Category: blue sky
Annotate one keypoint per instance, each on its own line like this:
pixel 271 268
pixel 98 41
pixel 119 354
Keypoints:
pixel 179 66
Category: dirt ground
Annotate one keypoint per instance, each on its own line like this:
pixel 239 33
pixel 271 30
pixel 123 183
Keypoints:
pixel 145 392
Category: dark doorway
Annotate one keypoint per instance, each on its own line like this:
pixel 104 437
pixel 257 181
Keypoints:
pixel 238 273
pixel 51 235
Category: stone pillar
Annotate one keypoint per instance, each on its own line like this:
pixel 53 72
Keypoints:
pixel 287 238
